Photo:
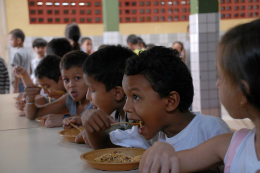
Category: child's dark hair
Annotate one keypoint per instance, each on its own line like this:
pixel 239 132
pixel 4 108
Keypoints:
pixel 165 71
pixel 58 46
pixel 239 58
pixel 141 41
pixel 74 58
pixel 107 65
pixel 48 67
pixel 84 39
pixel 132 39
pixel 180 43
pixel 73 32
pixel 39 42
pixel 17 33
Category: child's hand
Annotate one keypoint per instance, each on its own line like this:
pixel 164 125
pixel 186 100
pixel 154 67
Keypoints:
pixel 32 91
pixel 96 120
pixel 20 102
pixel 161 157
pixel 19 71
pixel 82 137
pixel 74 120
pixel 53 120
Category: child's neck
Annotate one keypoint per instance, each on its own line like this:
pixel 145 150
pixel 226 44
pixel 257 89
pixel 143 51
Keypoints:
pixel 40 57
pixel 20 46
pixel 178 122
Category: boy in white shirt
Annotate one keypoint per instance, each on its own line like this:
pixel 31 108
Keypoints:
pixel 159 91
pixel 39 47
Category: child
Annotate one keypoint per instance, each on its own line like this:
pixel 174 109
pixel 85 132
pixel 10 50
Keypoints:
pixel 58 46
pixel 4 82
pixel 159 91
pixel 103 73
pixel 21 58
pixel 48 75
pixel 39 46
pixel 180 48
pixel 72 76
pixel 238 69
pixel 86 45
pixel 72 33
pixel 133 44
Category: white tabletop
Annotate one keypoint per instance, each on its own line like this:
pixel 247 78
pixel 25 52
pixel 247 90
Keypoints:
pixel 28 147
pixel 9 115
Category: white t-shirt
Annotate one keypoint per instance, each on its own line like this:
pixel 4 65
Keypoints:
pixel 34 64
pixel 245 160
pixel 200 129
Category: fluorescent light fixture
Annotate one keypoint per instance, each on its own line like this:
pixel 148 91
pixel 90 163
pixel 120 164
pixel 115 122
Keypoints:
pixel 183 2
pixel 57 3
pixel 65 3
pixel 39 3
pixel 48 3
pixel 73 4
pixel 81 4
pixel 170 2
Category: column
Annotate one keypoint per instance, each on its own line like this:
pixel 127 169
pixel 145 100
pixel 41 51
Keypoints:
pixel 204 37
pixel 111 33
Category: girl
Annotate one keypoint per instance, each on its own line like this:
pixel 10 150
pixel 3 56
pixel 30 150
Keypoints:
pixel 72 33
pixel 180 48
pixel 238 69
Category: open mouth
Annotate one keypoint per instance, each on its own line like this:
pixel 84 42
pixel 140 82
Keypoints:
pixel 140 125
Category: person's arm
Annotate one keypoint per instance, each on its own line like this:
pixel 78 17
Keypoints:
pixel 204 156
pixel 16 84
pixel 21 71
pixel 95 123
pixel 32 111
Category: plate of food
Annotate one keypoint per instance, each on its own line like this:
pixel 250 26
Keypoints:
pixel 114 159
pixel 71 134
pixel 40 120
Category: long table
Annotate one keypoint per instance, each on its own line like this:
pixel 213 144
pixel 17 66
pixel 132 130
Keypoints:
pixel 28 147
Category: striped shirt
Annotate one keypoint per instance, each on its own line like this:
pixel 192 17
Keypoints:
pixel 4 78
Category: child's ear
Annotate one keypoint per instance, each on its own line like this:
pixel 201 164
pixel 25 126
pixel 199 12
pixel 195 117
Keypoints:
pixel 172 101
pixel 247 90
pixel 119 93
pixel 19 40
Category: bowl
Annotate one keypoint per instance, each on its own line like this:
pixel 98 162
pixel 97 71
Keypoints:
pixel 71 134
pixel 90 156
pixel 40 120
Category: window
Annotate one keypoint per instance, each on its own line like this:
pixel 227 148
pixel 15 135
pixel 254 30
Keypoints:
pixel 127 19
pixel 126 3
pixel 97 11
pixel 222 8
pixel 242 14
pixel 170 18
pixel 33 20
pixel 141 19
pixel 73 19
pixel 155 10
pixel 155 2
pixel 176 10
pixel 141 3
pixel 249 14
pixel 141 11
pixel 133 11
pixel 56 11
pixel 66 20
pixel 73 12
pixel 97 19
pixel 88 19
pixel 133 3
pixel 31 3
pixel 81 11
pixel 96 4
pixel 148 10
pixel 176 18
pixel 134 19
pixel 40 11
pixel 175 2
pixel 49 11
pixel 242 7
pixel 147 3
pixel 250 7
pixel 49 20
pixel 127 11
pixel 236 15
pixel 184 10
pixel 57 20
pixel 155 18
pixel 88 4
pixel 82 19
pixel 40 19
pixel 228 15
pixel 162 18
pixel 32 11
pixel 256 7
pixel 222 15
pixel 88 11
pixel 162 10
pixel 65 11
pixel 148 18
pixel 236 7
pixel 169 10
pixel 183 17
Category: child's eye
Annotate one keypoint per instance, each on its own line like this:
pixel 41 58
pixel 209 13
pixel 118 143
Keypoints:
pixel 77 78
pixel 65 80
pixel 136 97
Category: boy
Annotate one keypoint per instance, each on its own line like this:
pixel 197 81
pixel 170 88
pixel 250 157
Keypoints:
pixel 39 47
pixel 103 73
pixel 59 47
pixel 72 76
pixel 159 91
pixel 48 75
pixel 86 45
pixel 21 58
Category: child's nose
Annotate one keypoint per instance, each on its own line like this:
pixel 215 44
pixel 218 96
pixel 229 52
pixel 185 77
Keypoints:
pixel 127 106
pixel 71 83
